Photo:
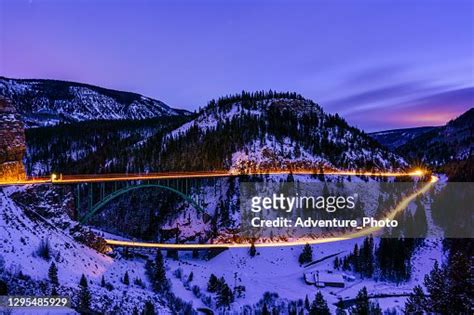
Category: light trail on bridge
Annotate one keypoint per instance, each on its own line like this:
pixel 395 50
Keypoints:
pixel 92 178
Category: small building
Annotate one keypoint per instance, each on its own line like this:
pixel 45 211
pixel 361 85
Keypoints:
pixel 323 279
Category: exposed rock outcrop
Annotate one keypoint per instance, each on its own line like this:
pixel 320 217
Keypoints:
pixel 12 143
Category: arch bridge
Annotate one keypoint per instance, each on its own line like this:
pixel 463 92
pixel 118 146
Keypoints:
pixel 92 197
pixel 93 192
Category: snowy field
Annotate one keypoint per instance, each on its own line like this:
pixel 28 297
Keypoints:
pixel 277 270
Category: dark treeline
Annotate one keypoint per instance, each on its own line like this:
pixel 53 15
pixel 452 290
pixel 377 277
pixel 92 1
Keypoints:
pixel 249 99
pixel 450 143
pixel 460 171
pixel 390 260
pixel 93 146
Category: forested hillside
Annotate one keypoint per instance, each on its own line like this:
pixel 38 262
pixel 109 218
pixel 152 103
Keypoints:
pixel 453 142
pixel 269 130
pixel 94 146
pixel 395 138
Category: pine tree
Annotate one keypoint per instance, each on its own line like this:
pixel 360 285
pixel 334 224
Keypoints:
pixel 102 282
pixel 83 281
pixel 84 295
pixel 450 289
pixel 354 259
pixel 44 249
pixel 157 273
pixel 53 274
pixel 461 284
pixel 172 253
pixel 3 288
pixel 340 307
pixel 212 283
pixel 225 296
pixel 319 305
pixel 126 279
pixel 253 250
pixel 149 308
pixel 416 303
pixel 307 255
pixel 435 283
pixel 265 310
pixel 366 257
pixel 379 212
pixel 393 257
pixel 374 309
pixel 361 306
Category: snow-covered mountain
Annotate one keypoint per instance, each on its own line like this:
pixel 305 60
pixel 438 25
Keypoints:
pixel 272 131
pixel 48 102
pixel 452 142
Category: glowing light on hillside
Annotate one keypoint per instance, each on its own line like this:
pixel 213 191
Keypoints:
pixel 418 172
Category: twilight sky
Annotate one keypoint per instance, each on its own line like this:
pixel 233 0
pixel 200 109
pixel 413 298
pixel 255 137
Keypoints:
pixel 380 64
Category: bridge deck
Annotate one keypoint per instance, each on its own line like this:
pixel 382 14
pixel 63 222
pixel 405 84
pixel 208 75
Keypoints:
pixel 89 178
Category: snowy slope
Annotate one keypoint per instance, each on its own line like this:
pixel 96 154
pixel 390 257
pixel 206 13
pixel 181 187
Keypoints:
pixel 22 229
pixel 48 102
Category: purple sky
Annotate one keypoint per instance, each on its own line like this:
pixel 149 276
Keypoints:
pixel 380 64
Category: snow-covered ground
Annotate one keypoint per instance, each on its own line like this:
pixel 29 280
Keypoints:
pixel 265 155
pixel 277 270
pixel 274 269
pixel 21 235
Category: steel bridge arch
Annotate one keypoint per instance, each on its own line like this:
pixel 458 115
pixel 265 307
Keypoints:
pixel 95 208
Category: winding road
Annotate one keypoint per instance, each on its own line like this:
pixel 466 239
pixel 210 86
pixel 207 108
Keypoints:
pixel 75 179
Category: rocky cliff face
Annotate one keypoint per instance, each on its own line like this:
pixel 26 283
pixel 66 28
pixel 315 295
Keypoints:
pixel 12 143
